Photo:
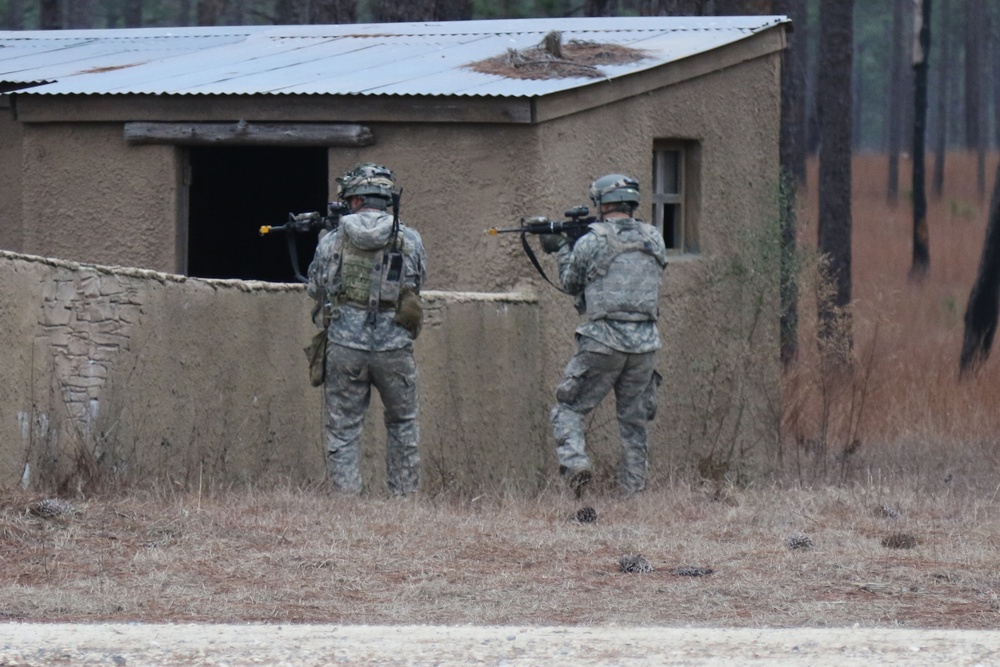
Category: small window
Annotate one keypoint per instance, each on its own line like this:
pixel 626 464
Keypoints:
pixel 672 214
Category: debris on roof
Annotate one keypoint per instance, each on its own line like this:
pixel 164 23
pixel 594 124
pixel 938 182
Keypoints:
pixel 551 59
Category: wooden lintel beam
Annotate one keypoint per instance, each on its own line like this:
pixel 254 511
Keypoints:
pixel 242 133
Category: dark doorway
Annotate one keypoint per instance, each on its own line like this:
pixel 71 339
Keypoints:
pixel 236 190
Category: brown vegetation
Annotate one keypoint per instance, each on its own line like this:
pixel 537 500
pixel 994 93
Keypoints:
pixel 553 59
pixel 886 512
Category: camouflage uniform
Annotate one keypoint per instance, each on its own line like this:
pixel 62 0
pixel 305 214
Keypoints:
pixel 367 347
pixel 614 270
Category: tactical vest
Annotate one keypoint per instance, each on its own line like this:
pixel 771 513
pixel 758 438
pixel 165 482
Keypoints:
pixel 370 278
pixel 624 283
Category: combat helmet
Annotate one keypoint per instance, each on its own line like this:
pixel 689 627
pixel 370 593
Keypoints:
pixel 367 180
pixel 615 188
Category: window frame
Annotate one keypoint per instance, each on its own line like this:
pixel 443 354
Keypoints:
pixel 685 233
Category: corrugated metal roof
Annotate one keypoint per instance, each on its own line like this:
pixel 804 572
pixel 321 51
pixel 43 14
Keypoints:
pixel 350 59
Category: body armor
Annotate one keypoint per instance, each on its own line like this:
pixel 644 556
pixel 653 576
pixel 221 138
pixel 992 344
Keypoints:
pixel 371 278
pixel 625 283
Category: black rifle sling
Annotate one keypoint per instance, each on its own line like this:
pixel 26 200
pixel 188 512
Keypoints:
pixel 534 260
pixel 293 253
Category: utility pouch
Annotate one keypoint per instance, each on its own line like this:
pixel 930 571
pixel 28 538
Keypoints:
pixel 316 354
pixel 392 277
pixel 410 312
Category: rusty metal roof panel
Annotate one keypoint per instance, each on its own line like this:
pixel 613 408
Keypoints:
pixel 350 59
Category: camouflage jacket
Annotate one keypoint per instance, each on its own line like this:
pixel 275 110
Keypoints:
pixel 592 257
pixel 354 325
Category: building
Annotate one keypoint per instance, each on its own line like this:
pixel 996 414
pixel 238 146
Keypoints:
pixel 165 150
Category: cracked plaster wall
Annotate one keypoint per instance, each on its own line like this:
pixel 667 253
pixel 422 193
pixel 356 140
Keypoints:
pixel 136 376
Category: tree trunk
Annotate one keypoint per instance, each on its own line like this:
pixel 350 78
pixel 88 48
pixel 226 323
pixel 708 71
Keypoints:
pixel 184 12
pixel 981 310
pixel 974 20
pixel 14 16
pixel 857 95
pixel 792 155
pixel 941 135
pixel 394 11
pixel 78 14
pixel 50 15
pixel 812 102
pixel 896 94
pixel 676 8
pixel 745 7
pixel 799 44
pixel 291 12
pixel 455 10
pixel 834 229
pixel 209 11
pixel 921 239
pixel 600 8
pixel 996 86
pixel 328 12
pixel 133 13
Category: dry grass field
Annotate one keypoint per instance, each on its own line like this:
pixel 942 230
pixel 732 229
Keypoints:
pixel 887 513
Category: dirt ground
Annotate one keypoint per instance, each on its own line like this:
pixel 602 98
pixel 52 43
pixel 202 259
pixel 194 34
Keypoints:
pixel 187 644
pixel 294 577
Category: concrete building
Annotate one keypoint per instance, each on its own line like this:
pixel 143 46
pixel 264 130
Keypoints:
pixel 165 150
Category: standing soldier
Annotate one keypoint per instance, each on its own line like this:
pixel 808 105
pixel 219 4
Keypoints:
pixel 366 278
pixel 614 271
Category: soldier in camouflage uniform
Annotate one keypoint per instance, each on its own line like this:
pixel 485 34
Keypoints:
pixel 366 278
pixel 614 270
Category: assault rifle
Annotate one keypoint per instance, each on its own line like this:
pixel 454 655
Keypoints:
pixel 577 224
pixel 304 223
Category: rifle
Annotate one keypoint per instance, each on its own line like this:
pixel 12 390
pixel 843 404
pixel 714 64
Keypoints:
pixel 304 223
pixel 574 228
pixel 577 225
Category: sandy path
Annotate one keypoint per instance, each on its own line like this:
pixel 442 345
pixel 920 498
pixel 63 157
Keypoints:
pixel 26 644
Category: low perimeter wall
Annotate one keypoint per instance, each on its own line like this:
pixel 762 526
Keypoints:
pixel 133 376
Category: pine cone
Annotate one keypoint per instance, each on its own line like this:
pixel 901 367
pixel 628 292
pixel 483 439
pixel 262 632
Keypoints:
pixel 50 507
pixel 586 515
pixel 899 541
pixel 634 563
pixel 799 541
pixel 887 511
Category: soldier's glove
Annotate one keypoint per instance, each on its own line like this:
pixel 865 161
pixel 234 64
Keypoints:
pixel 409 312
pixel 552 242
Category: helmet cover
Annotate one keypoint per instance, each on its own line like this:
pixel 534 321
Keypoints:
pixel 367 180
pixel 614 188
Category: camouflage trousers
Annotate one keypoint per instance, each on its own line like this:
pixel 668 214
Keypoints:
pixel 350 375
pixel 591 374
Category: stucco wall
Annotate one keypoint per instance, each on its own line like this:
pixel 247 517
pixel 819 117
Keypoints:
pixel 10 178
pixel 138 375
pixel 92 198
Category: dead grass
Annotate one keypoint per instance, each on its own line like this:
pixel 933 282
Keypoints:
pixel 893 447
pixel 903 407
pixel 294 555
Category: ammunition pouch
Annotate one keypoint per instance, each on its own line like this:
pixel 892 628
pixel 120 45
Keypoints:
pixel 316 355
pixel 409 311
